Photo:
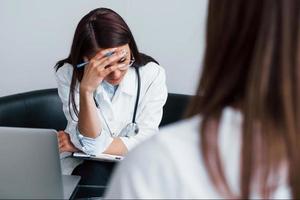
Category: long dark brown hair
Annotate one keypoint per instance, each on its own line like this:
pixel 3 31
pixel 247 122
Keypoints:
pixel 252 63
pixel 100 28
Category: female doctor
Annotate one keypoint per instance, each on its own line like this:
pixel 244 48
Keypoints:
pixel 112 95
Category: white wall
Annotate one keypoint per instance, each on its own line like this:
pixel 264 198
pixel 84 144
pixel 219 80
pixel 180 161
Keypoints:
pixel 35 34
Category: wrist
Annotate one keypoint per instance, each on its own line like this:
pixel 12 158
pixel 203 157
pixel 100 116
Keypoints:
pixel 85 92
pixel 86 96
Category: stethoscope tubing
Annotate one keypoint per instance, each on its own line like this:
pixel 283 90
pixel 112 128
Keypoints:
pixel 135 105
pixel 137 94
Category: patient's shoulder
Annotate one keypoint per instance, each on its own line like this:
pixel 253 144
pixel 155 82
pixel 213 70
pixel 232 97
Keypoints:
pixel 173 141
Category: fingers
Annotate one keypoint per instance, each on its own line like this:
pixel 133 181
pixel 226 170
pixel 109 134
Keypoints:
pixel 105 53
pixel 103 57
pixel 63 141
pixel 60 138
pixel 103 61
pixel 61 135
pixel 67 148
pixel 113 68
pixel 61 149
pixel 60 132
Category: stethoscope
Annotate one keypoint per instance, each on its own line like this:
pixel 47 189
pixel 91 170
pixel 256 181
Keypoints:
pixel 132 128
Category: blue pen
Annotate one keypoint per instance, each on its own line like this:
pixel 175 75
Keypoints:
pixel 108 54
pixel 82 64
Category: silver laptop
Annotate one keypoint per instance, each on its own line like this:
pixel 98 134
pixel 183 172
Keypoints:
pixel 30 165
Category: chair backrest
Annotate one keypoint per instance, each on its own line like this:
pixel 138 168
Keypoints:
pixel 174 108
pixel 36 109
pixel 43 109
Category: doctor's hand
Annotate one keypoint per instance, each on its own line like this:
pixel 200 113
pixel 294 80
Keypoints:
pixel 99 67
pixel 64 143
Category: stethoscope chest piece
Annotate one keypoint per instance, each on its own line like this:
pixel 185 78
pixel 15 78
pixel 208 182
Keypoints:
pixel 130 130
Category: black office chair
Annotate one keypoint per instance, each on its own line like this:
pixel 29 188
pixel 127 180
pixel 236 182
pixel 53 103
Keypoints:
pixel 35 109
pixel 43 109
pixel 174 108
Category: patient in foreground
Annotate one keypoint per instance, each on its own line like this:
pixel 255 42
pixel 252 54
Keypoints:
pixel 242 137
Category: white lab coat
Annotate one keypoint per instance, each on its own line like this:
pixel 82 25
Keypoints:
pixel 170 164
pixel 119 112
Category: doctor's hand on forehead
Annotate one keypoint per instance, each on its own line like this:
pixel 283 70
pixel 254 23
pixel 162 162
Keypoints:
pixel 101 65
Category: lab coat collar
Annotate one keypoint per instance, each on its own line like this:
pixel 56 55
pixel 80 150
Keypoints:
pixel 128 85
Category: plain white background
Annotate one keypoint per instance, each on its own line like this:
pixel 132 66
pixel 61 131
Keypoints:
pixel 35 34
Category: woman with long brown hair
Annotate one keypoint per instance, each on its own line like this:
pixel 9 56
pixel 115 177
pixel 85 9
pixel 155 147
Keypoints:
pixel 112 94
pixel 242 137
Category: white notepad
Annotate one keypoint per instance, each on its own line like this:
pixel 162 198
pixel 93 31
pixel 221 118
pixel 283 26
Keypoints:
pixel 99 157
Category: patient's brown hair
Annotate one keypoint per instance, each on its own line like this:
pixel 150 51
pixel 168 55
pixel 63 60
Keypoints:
pixel 252 63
